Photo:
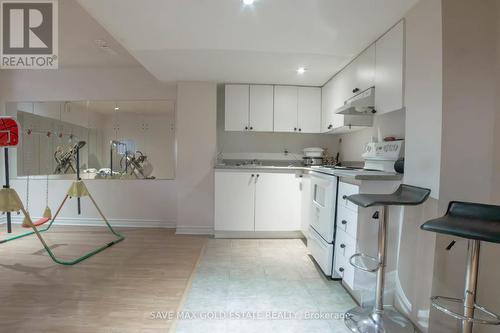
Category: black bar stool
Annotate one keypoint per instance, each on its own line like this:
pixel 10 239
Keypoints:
pixel 378 319
pixel 475 222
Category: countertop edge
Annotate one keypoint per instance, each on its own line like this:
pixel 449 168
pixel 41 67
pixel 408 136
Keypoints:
pixel 340 173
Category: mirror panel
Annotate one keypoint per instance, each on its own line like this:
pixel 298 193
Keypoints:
pixel 108 139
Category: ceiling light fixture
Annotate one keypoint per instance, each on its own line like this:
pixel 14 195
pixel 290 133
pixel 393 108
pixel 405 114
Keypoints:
pixel 301 70
pixel 117 108
pixel 248 2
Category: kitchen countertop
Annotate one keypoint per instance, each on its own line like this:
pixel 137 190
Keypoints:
pixel 358 174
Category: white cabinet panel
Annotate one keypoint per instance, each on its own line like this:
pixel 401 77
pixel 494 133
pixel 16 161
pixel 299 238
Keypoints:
pixel 327 106
pixel 309 109
pixel 305 205
pixel 285 108
pixel 261 108
pixel 234 201
pixel 345 190
pixel 236 107
pixel 277 202
pixel 364 70
pixel 389 70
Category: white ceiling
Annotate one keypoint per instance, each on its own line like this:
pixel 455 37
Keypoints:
pixel 77 34
pixel 224 41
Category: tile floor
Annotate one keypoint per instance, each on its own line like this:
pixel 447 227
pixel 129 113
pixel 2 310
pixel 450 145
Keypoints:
pixel 262 278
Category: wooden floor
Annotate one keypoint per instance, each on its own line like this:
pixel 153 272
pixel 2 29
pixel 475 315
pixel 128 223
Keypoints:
pixel 115 291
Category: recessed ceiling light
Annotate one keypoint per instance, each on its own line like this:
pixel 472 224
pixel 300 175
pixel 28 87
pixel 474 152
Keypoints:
pixel 248 2
pixel 117 108
pixel 301 70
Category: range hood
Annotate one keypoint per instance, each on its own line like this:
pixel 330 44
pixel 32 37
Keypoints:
pixel 361 104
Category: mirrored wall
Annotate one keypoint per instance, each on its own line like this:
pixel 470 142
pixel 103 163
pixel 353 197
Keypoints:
pixel 99 139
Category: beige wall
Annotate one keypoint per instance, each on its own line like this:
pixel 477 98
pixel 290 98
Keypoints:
pixel 196 152
pixel 470 107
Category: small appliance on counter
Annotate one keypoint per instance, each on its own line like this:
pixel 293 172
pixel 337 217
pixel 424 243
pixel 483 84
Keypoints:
pixel 382 156
pixel 310 161
pixel 313 156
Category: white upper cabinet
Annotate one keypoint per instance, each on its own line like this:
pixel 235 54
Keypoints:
pixel 389 70
pixel 268 108
pixel 285 108
pixel 249 107
pixel 237 99
pixel 261 108
pixel 358 76
pixel 327 108
pixel 364 70
pixel 309 110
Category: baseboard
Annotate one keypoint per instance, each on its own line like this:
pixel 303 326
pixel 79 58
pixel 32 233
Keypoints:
pixel 259 234
pixel 97 222
pixel 194 230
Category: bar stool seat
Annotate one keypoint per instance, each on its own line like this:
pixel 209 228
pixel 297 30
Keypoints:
pixel 405 195
pixel 475 222
pixel 379 319
pixel 468 220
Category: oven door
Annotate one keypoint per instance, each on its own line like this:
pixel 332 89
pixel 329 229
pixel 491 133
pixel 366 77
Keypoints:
pixel 323 201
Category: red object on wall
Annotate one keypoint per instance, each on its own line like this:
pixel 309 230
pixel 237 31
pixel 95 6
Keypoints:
pixel 9 132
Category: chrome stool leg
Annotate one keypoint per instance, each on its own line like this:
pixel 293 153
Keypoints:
pixel 469 301
pixel 378 319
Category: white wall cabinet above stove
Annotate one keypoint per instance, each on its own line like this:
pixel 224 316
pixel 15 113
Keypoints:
pixel 257 201
pixel 389 74
pixel 381 66
pixel 297 109
pixel 249 107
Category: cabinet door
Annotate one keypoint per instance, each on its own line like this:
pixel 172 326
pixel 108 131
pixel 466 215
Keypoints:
pixel 327 106
pixel 285 108
pixel 309 109
pixel 277 202
pixel 261 108
pixel 234 201
pixel 389 70
pixel 236 107
pixel 364 70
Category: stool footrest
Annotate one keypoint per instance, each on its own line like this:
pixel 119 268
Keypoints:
pixel 437 302
pixel 352 261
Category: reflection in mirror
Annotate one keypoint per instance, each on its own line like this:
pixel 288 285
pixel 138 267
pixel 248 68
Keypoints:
pixel 106 139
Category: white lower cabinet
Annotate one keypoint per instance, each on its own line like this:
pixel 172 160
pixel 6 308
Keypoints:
pixel 277 202
pixel 234 201
pixel 257 201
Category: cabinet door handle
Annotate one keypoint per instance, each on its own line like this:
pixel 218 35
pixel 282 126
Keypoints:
pixel 246 128
pixel 341 269
pixel 344 222
pixel 344 197
pixel 252 176
pixel 342 246
pixel 300 129
pixel 295 129
pixel 355 90
pixel 258 175
pixel 330 126
pixel 251 128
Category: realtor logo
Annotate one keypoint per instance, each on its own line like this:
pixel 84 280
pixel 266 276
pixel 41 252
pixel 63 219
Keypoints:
pixel 29 34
